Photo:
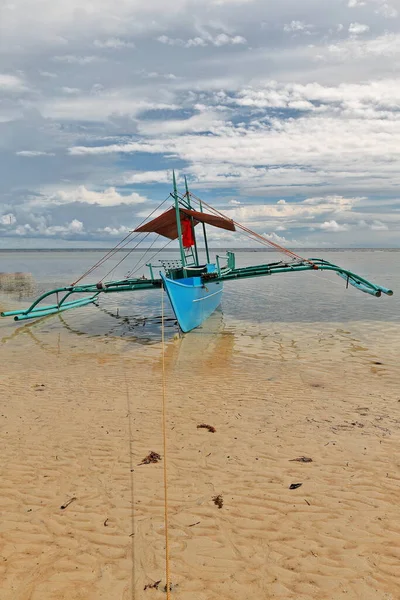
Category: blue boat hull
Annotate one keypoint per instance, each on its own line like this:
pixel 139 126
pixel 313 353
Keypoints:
pixel 192 301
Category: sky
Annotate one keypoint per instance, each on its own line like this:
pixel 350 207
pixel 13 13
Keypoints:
pixel 283 115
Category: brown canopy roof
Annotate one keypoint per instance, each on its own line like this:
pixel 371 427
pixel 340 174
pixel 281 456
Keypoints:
pixel 165 224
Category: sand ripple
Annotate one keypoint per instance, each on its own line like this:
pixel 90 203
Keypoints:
pixel 77 418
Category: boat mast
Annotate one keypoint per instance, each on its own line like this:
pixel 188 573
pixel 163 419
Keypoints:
pixel 178 221
pixel 192 222
pixel 205 235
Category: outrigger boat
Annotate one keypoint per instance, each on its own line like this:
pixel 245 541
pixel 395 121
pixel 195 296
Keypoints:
pixel 194 287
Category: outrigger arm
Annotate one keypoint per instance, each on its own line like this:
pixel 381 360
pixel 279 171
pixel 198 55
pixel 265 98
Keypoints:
pixel 225 273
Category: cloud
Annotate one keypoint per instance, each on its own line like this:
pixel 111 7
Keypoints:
pixel 69 90
pixel 334 227
pixel 222 39
pixel 378 226
pixel 252 112
pixel 355 3
pixel 295 26
pixel 48 74
pixel 115 231
pixel 358 28
pixel 109 197
pixel 8 220
pixel 387 10
pixel 113 44
pixel 148 177
pixel 11 83
pixel 33 153
pixel 206 121
pixel 68 230
pixel 100 104
pixel 76 60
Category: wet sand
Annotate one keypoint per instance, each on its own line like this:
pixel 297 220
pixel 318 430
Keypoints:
pixel 78 415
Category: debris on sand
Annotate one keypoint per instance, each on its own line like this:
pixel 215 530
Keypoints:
pixel 218 501
pixel 152 457
pixel 66 504
pixel 302 459
pixel 152 586
pixel 210 428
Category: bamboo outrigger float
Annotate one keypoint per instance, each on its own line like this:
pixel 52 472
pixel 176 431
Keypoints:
pixel 193 287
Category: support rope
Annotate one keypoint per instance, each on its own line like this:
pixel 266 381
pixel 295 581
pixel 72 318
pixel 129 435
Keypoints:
pixel 150 259
pixel 260 238
pixel 125 257
pixel 164 424
pixel 118 247
pixel 139 263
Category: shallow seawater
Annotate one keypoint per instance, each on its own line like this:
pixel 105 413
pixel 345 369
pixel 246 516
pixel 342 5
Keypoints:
pixel 258 309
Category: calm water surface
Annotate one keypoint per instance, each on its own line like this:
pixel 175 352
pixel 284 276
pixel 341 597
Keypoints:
pixel 308 298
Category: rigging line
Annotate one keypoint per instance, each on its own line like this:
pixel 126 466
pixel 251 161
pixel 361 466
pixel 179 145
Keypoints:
pixel 259 237
pixel 155 254
pixel 164 427
pixel 116 248
pixel 101 262
pixel 132 270
pixel 105 257
pixel 125 257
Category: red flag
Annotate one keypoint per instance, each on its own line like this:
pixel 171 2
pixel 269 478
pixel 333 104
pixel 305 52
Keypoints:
pixel 187 233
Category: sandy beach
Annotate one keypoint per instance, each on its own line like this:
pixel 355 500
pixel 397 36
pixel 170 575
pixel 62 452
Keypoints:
pixel 79 414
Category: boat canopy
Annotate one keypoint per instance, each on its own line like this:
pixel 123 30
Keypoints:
pixel 166 225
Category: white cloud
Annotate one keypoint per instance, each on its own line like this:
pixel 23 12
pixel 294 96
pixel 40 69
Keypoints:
pixel 115 231
pixel 8 219
pixel 23 229
pixel 48 74
pixel 100 105
pixel 11 83
pixel 355 3
pixel 334 227
pixel 113 44
pixel 358 28
pixel 33 153
pixel 76 60
pixel 109 197
pixel 72 228
pixel 387 10
pixel 386 45
pixel 323 150
pixel 147 177
pixel 222 39
pixel 378 226
pixel 307 210
pixel 294 26
pixel 207 121
pixel 69 90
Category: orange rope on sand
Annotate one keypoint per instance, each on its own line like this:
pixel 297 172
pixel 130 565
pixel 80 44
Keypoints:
pixel 164 423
